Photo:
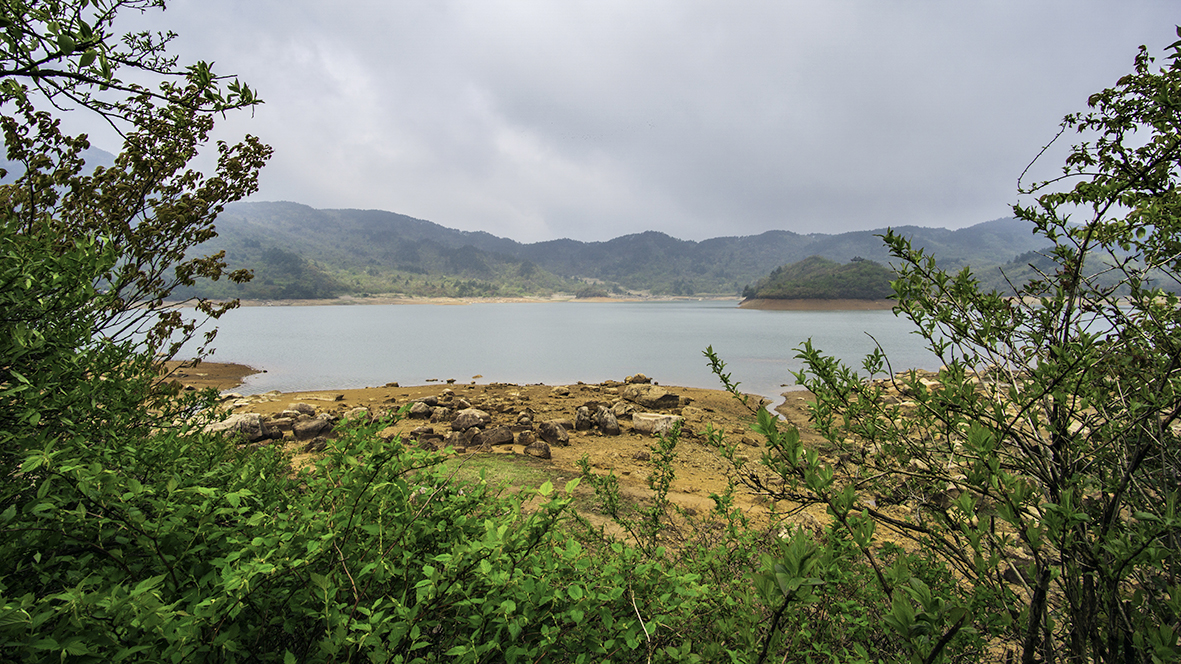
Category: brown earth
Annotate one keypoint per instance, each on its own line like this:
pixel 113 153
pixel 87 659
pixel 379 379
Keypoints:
pixel 200 375
pixel 700 469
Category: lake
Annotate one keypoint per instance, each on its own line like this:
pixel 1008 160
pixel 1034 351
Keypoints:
pixel 327 347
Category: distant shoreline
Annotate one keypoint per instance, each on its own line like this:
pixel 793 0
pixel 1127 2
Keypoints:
pixel 350 300
pixel 817 305
pixel 763 304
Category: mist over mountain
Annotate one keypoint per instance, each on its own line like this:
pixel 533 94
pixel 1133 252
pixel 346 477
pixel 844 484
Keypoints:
pixel 299 251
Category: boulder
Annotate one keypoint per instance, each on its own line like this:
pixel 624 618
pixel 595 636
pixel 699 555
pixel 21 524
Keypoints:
pixel 440 414
pixel 553 433
pixel 526 438
pixel 495 436
pixel 317 444
pixel 607 422
pixel 420 409
pixel 248 426
pixel 654 423
pixel 281 423
pixel 637 379
pixel 560 391
pixel 538 449
pixel 650 396
pixel 358 413
pixel 582 419
pixel 623 409
pixel 308 429
pixel 470 417
pixel 300 407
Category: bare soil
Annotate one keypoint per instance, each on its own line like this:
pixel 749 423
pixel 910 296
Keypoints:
pixel 700 470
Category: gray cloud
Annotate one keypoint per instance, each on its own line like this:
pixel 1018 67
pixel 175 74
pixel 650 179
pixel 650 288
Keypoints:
pixel 590 120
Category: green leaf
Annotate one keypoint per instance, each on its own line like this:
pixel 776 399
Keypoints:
pixel 546 489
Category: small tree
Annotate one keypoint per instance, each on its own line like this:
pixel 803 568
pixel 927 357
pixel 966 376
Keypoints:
pixel 1041 464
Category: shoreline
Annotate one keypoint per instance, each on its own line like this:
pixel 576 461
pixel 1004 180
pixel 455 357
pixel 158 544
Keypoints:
pixel 350 300
pixel 816 305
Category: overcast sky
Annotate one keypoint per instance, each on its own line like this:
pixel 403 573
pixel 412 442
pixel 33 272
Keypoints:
pixel 590 120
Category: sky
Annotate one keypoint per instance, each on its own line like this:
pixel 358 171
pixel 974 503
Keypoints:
pixel 594 119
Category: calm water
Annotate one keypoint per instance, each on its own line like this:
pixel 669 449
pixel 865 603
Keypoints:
pixel 307 348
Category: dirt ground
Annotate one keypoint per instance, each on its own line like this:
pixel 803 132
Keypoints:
pixel 700 470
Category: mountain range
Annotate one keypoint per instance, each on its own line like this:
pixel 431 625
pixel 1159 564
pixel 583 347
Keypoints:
pixel 298 251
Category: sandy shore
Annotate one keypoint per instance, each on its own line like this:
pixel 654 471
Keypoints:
pixel 220 376
pixel 817 305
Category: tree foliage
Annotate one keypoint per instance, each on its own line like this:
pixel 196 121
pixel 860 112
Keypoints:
pixel 1041 462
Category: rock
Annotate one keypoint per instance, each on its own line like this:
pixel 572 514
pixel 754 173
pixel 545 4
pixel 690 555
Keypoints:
pixel 460 404
pixel 317 444
pixel 553 433
pixel 422 431
pixel 496 436
pixel 607 422
pixel 282 423
pixel 651 396
pixel 470 417
pixel 430 401
pixel 440 414
pixel 526 438
pixel 358 413
pixel 538 449
pixel 308 429
pixel 248 426
pixel 582 419
pixel 623 409
pixel 300 407
pixel 387 434
pixel 323 396
pixel 560 391
pixel 420 409
pixel 641 456
pixel 654 423
pixel 637 379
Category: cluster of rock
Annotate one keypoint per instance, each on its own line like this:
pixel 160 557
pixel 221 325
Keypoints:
pixel 455 422
pixel 301 421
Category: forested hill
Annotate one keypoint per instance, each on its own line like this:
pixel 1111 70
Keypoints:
pixel 298 251
pixel 816 277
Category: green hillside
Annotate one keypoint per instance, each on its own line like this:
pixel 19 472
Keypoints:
pixel 297 251
pixel 817 277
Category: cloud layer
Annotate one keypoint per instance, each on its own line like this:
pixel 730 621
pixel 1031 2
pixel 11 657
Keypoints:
pixel 590 120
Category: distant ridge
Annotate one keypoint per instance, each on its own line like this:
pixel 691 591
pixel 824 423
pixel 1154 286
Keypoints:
pixel 374 251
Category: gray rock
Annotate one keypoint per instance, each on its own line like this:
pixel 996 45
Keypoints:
pixel 654 423
pixel 470 417
pixel 248 426
pixel 495 436
pixel 526 438
pixel 582 419
pixel 607 422
pixel 651 396
pixel 440 414
pixel 539 449
pixel 560 391
pixel 553 433
pixel 282 423
pixel 420 409
pixel 317 444
pixel 300 407
pixel 358 413
pixel 637 379
pixel 309 429
pixel 623 409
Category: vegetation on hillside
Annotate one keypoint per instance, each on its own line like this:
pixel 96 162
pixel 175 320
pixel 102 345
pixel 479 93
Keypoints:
pixel 818 278
pixel 1045 448
pixel 369 251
